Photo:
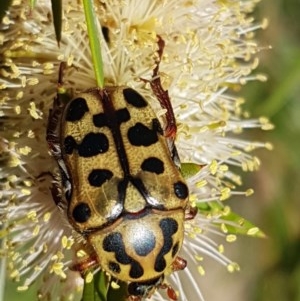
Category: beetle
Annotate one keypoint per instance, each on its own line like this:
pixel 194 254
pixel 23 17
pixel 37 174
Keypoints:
pixel 121 180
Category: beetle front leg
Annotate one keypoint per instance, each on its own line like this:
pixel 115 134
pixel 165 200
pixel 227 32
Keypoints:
pixel 53 134
pixel 89 263
pixel 163 95
pixel 55 113
pixel 190 213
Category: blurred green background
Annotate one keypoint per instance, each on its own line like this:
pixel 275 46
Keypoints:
pixel 270 268
pixel 276 207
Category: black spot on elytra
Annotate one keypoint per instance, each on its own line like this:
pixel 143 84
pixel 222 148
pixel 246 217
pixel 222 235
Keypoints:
pixel 99 176
pixel 168 226
pixel 134 98
pixel 100 120
pixel 76 109
pixel 113 242
pixel 81 213
pixel 140 135
pixel 146 244
pixel 122 115
pixel 181 190
pixel 114 267
pixel 93 144
pixel 136 270
pixel 153 164
pixel 69 145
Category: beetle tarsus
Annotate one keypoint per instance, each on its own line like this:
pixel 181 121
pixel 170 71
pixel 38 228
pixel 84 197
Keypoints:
pixel 190 213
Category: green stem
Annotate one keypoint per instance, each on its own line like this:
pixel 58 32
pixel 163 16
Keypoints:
pixel 96 290
pixel 57 18
pixel 32 4
pixel 93 34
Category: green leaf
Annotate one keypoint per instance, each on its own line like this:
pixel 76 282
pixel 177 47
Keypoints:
pixel 117 294
pixel 4 6
pixel 243 226
pixel 100 290
pixel 57 18
pixel 101 285
pixel 93 32
pixel 190 169
pixel 229 221
pixel 96 289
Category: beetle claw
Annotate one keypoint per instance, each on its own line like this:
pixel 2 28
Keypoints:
pixel 190 213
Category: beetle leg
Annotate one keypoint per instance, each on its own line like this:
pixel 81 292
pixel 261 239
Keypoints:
pixel 170 291
pixel 179 264
pixel 42 175
pixel 190 213
pixel 163 95
pixel 54 189
pixel 53 133
pixel 89 263
pixel 60 100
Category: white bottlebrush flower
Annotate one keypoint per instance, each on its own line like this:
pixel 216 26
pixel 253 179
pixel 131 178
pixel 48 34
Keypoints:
pixel 209 53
